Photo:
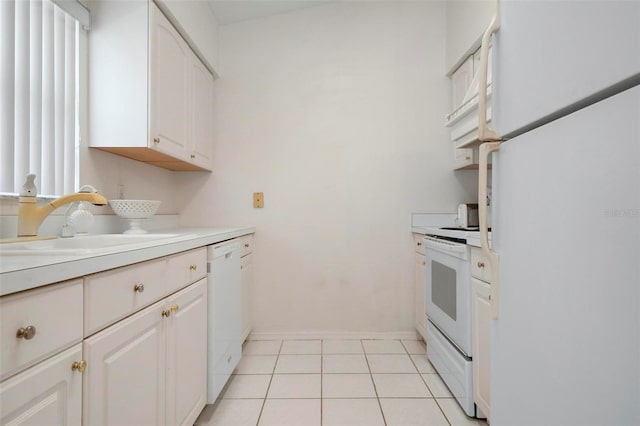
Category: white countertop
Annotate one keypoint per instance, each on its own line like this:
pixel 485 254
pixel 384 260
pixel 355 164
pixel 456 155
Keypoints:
pixel 19 273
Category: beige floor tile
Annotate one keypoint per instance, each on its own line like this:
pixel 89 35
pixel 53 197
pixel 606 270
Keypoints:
pixel 351 412
pixel 262 347
pixel 352 363
pixel 291 364
pixel 422 364
pixel 412 412
pixel 400 386
pixel 347 386
pixel 231 412
pixel 455 415
pixel 301 347
pixel 295 386
pixel 256 364
pixel 414 346
pixel 290 412
pixel 247 386
pixel 379 363
pixel 342 347
pixel 383 347
pixel 437 386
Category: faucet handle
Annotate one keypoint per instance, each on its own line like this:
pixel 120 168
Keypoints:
pixel 29 188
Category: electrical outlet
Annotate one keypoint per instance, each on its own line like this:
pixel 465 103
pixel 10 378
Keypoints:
pixel 258 200
pixel 121 191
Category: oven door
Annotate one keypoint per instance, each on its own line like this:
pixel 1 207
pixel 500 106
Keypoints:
pixel 448 290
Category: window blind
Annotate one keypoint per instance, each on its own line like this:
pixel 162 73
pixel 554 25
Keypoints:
pixel 39 97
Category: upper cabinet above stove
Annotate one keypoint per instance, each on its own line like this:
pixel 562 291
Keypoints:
pixel 466 21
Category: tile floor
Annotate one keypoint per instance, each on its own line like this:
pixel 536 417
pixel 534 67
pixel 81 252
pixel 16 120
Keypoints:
pixel 335 382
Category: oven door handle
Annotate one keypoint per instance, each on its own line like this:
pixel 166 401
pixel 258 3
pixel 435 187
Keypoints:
pixel 458 250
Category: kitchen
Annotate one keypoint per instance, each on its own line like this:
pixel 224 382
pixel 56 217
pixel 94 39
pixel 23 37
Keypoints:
pixel 335 113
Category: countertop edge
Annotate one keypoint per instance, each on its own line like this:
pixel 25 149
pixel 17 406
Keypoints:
pixel 69 267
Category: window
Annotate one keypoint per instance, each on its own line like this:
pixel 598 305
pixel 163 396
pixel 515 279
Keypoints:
pixel 39 128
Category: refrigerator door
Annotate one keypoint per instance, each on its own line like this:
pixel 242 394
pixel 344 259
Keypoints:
pixel 549 55
pixel 566 347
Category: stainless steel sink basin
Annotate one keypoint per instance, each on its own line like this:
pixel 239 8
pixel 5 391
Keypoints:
pixel 87 244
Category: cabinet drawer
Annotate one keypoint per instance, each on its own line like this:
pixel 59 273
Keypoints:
pixel 186 268
pixel 245 261
pixel 246 244
pixel 112 295
pixel 480 266
pixel 54 312
pixel 418 243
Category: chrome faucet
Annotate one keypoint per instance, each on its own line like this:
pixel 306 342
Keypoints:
pixel 30 216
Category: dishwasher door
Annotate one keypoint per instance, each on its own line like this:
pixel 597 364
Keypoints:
pixel 224 315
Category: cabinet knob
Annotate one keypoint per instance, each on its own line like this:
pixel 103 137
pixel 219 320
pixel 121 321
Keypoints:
pixel 26 333
pixel 193 267
pixel 424 263
pixel 192 156
pixel 419 243
pixel 175 308
pixel 480 264
pixel 156 140
pixel 138 288
pixel 246 245
pixel 79 366
pixel 166 313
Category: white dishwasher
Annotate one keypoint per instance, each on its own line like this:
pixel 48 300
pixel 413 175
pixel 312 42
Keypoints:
pixel 224 315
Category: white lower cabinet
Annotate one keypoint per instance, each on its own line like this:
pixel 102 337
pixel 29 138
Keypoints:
pixel 143 360
pixel 150 369
pixel 125 379
pixel 49 393
pixel 186 382
pixel 419 282
pixel 246 278
pixel 481 328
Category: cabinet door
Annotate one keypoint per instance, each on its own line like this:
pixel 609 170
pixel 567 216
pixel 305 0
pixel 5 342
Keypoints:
pixel 201 114
pixel 49 393
pixel 169 59
pixel 421 320
pixel 246 278
pixel 125 379
pixel 480 325
pixel 187 354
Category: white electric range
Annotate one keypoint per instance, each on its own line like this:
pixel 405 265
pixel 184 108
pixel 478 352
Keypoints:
pixel 448 308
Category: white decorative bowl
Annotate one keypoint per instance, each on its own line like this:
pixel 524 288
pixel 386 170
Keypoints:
pixel 136 211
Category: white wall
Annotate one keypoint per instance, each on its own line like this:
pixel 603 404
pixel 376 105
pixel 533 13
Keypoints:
pixel 466 21
pixel 336 114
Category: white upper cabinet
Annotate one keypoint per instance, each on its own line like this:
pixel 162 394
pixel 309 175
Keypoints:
pixel 202 115
pixel 150 96
pixel 169 68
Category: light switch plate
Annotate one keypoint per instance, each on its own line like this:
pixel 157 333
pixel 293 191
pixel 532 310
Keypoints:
pixel 258 200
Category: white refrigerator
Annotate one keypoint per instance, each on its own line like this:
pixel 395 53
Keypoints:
pixel 565 344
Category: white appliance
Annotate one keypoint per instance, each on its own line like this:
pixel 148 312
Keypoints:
pixel 565 340
pixel 224 316
pixel 448 311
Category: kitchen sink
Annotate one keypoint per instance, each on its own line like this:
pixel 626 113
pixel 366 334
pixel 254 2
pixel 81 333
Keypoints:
pixel 88 244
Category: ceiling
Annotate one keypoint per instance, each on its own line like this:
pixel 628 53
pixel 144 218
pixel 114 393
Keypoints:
pixel 231 11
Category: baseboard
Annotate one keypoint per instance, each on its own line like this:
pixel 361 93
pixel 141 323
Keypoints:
pixel 334 335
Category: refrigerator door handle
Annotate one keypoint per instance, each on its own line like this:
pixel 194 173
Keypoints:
pixel 484 132
pixel 492 256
